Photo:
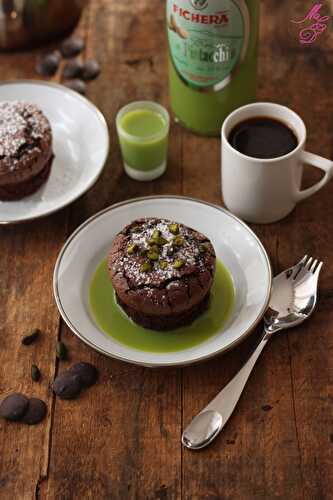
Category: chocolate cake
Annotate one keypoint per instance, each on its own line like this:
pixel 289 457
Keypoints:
pixel 25 149
pixel 162 272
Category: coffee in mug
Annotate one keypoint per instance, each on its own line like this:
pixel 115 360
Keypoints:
pixel 262 162
pixel 263 137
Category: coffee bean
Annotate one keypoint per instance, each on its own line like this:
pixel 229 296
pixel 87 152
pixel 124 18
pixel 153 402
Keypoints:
pixel 87 373
pixel 14 406
pixel 30 339
pixel 67 385
pixel 91 69
pixel 72 69
pixel 77 85
pixel 48 65
pixel 72 47
pixel 35 413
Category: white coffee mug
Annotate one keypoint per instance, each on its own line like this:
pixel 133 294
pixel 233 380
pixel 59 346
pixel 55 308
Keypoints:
pixel 266 190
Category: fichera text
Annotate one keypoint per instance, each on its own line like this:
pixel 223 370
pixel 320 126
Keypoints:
pixel 219 18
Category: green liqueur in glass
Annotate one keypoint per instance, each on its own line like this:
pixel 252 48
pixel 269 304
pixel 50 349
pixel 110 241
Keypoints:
pixel 143 129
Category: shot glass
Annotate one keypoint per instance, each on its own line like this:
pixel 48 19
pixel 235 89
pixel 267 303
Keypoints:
pixel 143 131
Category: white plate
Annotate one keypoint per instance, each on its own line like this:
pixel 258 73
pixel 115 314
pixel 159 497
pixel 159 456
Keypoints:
pixel 80 143
pixel 235 244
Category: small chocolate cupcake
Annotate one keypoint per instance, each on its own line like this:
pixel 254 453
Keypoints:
pixel 162 272
pixel 25 149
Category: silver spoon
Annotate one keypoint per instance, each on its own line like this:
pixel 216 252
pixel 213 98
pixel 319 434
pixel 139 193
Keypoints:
pixel 293 299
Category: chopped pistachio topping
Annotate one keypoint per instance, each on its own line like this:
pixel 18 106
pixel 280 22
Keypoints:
pixel 132 249
pixel 157 239
pixel 145 267
pixel 161 241
pixel 152 255
pixel 154 248
pixel 203 248
pixel 143 252
pixel 135 229
pixel 163 264
pixel 178 241
pixel 174 228
pixel 156 234
pixel 178 264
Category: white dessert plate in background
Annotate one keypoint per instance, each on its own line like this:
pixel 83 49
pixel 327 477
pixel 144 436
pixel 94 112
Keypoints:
pixel 234 242
pixel 80 144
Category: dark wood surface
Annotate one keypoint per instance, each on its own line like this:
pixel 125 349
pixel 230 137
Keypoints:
pixel 122 438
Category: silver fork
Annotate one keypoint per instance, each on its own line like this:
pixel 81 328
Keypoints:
pixel 293 299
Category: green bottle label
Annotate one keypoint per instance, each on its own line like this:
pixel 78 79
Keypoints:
pixel 207 40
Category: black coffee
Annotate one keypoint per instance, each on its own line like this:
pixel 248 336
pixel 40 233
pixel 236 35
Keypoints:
pixel 263 137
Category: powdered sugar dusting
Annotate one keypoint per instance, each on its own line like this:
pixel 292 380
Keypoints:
pixel 21 124
pixel 169 253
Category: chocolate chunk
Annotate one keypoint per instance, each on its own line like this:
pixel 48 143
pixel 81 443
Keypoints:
pixel 72 69
pixel 87 373
pixel 14 406
pixel 67 385
pixel 77 85
pixel 91 69
pixel 35 373
pixel 72 47
pixel 35 413
pixel 30 339
pixel 266 407
pixel 48 65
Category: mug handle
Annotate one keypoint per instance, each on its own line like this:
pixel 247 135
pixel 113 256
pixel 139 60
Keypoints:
pixel 319 162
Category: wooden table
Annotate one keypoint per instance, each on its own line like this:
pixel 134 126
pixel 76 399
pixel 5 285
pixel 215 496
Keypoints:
pixel 122 438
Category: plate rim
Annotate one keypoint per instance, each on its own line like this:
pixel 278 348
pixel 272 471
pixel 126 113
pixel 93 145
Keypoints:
pixel 101 118
pixel 158 364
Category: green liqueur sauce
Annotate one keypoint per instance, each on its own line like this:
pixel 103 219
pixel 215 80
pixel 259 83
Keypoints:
pixel 113 321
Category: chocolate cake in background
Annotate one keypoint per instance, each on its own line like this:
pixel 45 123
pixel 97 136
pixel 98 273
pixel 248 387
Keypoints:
pixel 162 272
pixel 25 149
